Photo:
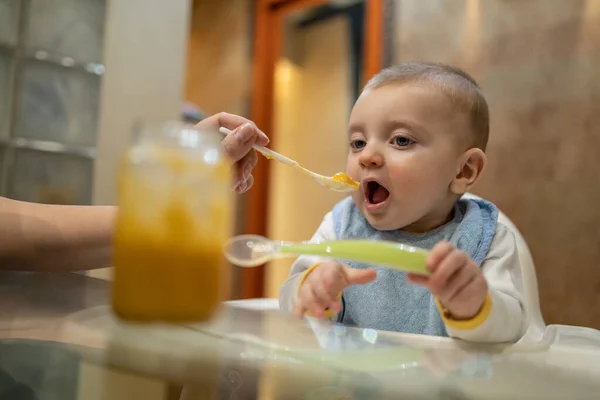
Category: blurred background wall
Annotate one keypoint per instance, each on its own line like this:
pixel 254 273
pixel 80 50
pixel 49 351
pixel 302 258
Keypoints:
pixel 312 93
pixel 537 62
pixel 74 75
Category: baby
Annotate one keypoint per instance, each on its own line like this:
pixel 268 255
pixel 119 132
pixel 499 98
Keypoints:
pixel 417 137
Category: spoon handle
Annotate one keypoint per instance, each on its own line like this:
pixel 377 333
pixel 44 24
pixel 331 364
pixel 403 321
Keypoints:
pixel 268 153
pixel 382 253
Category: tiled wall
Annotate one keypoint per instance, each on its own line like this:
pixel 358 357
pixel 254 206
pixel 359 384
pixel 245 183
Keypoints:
pixel 50 74
pixel 538 62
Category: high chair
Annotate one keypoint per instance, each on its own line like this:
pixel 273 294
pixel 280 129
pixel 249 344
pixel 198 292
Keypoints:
pixel 537 332
pixel 535 324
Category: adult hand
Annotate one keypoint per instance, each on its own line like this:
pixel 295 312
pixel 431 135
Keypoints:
pixel 238 144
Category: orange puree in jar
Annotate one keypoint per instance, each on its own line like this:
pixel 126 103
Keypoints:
pixel 173 222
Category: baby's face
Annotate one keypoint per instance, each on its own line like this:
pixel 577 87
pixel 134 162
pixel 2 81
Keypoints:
pixel 406 143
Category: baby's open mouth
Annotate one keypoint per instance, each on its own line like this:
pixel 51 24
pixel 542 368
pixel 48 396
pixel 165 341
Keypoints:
pixel 375 193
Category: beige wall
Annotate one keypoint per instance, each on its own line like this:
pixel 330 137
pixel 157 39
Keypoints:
pixel 219 71
pixel 145 52
pixel 312 106
pixel 538 62
pixel 219 66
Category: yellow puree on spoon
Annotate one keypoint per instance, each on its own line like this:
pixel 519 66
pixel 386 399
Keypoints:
pixel 343 178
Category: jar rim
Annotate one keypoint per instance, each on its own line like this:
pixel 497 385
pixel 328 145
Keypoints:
pixel 174 133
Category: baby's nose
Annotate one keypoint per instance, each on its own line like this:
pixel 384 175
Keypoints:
pixel 371 159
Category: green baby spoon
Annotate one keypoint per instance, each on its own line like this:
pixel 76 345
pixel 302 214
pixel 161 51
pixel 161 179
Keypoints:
pixel 254 250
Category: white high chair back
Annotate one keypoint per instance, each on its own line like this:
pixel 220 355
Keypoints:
pixel 535 322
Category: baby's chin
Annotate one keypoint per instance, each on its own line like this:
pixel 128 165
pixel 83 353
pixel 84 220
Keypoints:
pixel 383 226
pixel 381 222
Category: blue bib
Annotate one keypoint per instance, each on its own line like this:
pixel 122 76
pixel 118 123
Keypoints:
pixel 392 303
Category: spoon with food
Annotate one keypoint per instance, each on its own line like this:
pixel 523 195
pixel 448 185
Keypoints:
pixel 339 182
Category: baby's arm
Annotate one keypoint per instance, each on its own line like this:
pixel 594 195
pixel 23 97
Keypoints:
pixel 502 318
pixel 288 290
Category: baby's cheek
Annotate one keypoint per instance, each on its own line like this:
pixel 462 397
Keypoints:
pixel 429 175
pixel 418 191
pixel 358 196
pixel 352 165
pixel 407 176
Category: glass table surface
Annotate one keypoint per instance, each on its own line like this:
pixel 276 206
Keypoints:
pixel 60 340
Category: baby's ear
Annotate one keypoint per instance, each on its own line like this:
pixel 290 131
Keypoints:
pixel 470 167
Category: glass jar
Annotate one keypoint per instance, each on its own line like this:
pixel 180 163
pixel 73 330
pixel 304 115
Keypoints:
pixel 173 220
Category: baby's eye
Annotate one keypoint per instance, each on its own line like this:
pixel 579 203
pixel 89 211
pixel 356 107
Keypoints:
pixel 402 141
pixel 358 144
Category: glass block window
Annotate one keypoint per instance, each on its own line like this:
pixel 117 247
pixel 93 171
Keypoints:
pixel 5 64
pixel 50 178
pixel 9 21
pixel 50 76
pixel 72 28
pixel 58 104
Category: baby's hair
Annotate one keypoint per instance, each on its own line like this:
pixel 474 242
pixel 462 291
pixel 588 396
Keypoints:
pixel 462 90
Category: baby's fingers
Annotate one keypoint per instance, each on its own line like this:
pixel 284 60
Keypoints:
pixel 417 279
pixel 309 302
pixel 326 295
pixel 336 306
pixel 358 276
pixel 459 281
pixel 450 265
pixel 439 252
pixel 299 309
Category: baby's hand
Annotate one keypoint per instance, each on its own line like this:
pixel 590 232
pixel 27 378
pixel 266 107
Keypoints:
pixel 455 280
pixel 320 291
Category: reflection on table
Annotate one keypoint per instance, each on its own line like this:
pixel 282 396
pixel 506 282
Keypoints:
pixel 59 340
